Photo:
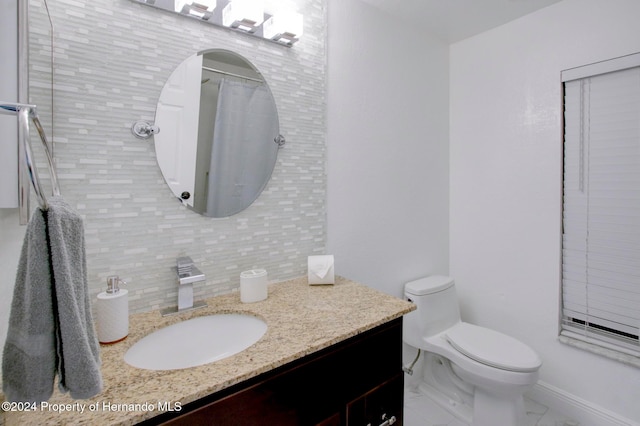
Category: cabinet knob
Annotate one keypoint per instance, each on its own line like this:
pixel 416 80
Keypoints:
pixel 388 422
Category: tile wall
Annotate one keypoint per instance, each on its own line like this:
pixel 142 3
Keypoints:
pixel 111 60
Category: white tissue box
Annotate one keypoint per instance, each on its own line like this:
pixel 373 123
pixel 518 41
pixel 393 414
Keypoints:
pixel 321 270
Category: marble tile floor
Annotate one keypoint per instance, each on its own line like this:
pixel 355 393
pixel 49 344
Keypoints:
pixel 420 410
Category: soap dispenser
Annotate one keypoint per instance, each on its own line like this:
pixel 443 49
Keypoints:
pixel 112 310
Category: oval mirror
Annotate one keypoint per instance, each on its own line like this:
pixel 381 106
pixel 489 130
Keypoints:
pixel 219 133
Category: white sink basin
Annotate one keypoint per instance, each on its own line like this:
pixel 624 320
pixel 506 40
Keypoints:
pixel 196 342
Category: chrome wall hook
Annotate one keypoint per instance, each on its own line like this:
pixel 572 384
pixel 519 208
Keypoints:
pixel 143 129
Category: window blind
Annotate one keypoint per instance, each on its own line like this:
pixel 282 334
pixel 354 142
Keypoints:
pixel 601 207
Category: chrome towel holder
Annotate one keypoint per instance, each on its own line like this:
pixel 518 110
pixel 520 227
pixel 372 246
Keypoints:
pixel 24 112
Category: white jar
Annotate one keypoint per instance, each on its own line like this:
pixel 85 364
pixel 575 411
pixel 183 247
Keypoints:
pixel 253 285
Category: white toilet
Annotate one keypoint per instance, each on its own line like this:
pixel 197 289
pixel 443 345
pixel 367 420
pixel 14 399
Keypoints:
pixel 476 373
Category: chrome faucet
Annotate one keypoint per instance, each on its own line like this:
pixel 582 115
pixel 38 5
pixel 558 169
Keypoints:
pixel 187 274
pixel 185 287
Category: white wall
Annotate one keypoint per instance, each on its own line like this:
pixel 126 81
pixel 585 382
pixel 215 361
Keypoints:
pixel 11 234
pixel 9 93
pixel 387 148
pixel 506 164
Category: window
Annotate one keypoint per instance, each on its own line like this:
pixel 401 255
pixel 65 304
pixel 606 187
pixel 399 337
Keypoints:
pixel 601 204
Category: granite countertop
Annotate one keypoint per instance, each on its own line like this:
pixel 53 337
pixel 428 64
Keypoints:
pixel 301 319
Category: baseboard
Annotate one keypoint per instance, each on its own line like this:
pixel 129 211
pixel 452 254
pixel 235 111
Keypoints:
pixel 585 412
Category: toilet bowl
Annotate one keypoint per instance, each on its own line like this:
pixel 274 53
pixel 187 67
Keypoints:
pixel 487 371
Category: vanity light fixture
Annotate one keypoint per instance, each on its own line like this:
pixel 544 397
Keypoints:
pixel 245 15
pixel 202 9
pixel 284 27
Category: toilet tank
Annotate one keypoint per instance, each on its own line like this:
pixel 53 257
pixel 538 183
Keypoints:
pixel 437 308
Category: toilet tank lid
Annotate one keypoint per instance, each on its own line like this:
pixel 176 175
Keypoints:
pixel 428 285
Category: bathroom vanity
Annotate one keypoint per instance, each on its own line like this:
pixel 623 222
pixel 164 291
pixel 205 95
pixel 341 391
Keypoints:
pixel 331 356
pixel 355 382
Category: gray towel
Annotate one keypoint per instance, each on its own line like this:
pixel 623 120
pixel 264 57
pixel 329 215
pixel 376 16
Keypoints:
pixel 50 327
pixel 29 357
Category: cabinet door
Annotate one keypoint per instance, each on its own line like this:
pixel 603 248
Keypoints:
pixel 382 405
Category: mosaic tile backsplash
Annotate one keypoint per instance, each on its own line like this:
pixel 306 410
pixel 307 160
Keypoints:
pixel 111 60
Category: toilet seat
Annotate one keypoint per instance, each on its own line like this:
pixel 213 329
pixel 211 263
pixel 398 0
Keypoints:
pixel 492 348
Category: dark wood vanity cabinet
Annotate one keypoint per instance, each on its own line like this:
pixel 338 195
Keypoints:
pixel 357 382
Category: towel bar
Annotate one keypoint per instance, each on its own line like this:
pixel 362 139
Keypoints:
pixel 24 112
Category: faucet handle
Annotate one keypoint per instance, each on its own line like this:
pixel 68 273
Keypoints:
pixel 184 261
pixel 194 275
pixel 184 265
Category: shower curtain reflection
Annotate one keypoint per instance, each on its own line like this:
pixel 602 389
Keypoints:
pixel 236 173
